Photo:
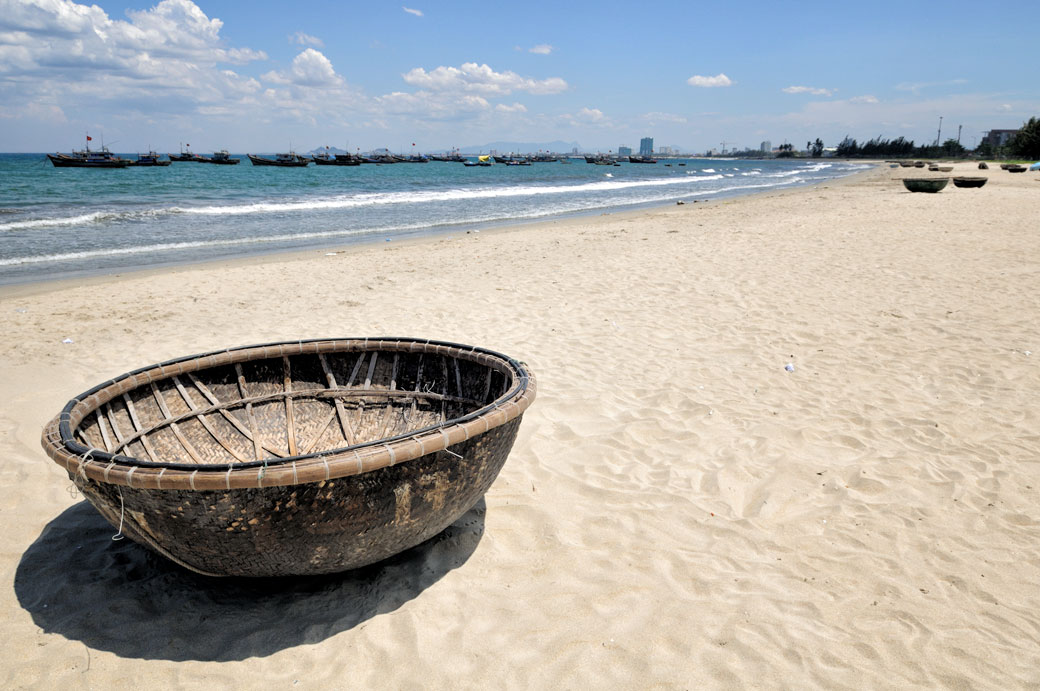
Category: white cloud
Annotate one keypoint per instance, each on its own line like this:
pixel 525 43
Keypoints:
pixel 309 68
pixel 64 55
pixel 541 49
pixel 586 117
pixel 1005 106
pixel 515 108
pixel 664 117
pixel 409 10
pixel 49 114
pixel 918 86
pixel 301 39
pixel 808 90
pixel 864 99
pixel 474 78
pixel 592 115
pixel 429 105
pixel 718 80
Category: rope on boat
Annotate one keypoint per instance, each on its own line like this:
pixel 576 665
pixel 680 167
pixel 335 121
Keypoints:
pixel 122 510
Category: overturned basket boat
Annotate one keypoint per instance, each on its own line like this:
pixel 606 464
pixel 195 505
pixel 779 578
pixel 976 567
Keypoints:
pixel 294 458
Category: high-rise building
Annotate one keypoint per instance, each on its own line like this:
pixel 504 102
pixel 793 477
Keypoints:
pixel 646 146
pixel 766 146
pixel 998 137
pixel 624 151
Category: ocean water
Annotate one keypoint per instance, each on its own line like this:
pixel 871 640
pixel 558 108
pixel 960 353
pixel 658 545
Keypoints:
pixel 67 222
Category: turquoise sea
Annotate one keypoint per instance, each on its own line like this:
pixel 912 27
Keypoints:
pixel 67 222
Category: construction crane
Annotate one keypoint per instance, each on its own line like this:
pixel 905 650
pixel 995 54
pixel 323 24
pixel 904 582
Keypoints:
pixel 724 146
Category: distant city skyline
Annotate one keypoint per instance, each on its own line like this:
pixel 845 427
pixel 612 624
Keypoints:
pixel 264 76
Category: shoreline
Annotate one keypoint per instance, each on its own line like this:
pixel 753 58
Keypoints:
pixel 47 284
pixel 679 508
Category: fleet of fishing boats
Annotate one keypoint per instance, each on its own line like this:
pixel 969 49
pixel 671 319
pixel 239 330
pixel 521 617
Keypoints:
pixel 103 158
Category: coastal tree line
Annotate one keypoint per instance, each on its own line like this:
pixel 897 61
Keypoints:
pixel 1024 146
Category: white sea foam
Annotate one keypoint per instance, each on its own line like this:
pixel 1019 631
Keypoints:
pixel 401 198
pixel 55 222
pixel 433 196
pixel 231 242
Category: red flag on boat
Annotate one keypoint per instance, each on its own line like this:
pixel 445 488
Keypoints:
pixel 89 138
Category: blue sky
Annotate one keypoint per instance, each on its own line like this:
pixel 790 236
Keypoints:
pixel 257 76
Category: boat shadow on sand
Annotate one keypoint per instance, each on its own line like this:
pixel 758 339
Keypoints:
pixel 120 597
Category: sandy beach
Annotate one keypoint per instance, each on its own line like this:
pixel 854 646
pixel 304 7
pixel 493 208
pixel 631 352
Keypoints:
pixel 679 510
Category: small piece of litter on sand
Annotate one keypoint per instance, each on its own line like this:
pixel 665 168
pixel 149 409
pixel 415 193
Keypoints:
pixel 330 254
pixel 21 310
pixel 67 341
pixel 789 367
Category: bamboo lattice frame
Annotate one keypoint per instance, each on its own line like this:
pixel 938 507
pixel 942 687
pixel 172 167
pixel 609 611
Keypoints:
pixel 267 466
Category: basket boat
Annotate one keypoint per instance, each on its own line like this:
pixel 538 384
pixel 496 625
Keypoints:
pixel 969 181
pixel 294 458
pixel 925 184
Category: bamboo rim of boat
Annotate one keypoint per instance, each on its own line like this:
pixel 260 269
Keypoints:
pixel 118 469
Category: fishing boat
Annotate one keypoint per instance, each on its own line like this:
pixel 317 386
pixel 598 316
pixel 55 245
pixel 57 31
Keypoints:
pixel 221 157
pixel 324 159
pixel 288 160
pixel 89 158
pixel 185 156
pixel 482 162
pixel 453 157
pixel 642 159
pixel 149 159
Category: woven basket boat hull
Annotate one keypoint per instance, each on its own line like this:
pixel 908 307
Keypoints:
pixel 294 459
pixel 925 184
